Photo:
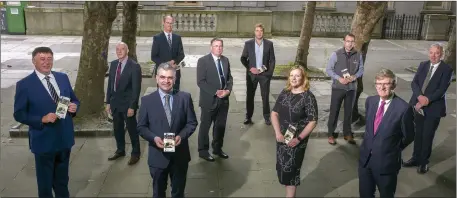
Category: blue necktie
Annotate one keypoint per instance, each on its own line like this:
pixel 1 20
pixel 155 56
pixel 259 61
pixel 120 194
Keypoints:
pixel 221 74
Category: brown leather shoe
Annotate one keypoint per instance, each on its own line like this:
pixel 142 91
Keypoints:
pixel 133 160
pixel 331 140
pixel 349 139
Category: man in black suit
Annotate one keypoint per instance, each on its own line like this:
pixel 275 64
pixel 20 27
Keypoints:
pixel 215 82
pixel 167 111
pixel 258 55
pixel 122 94
pixel 389 129
pixel 429 85
pixel 167 47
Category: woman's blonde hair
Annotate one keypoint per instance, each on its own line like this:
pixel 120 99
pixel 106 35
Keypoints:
pixel 304 81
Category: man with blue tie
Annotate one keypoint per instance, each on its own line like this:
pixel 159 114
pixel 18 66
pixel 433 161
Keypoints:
pixel 167 48
pixel 215 82
pixel 50 137
pixel 389 129
pixel 429 86
pixel 167 111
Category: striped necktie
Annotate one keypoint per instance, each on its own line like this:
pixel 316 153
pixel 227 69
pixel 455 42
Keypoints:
pixel 53 92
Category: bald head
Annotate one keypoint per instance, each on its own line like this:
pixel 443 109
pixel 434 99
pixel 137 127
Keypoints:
pixel 122 50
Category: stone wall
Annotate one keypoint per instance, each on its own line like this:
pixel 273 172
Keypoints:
pixel 222 23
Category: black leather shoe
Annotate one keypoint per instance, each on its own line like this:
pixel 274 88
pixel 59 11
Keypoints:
pixel 422 169
pixel 248 121
pixel 221 154
pixel 115 156
pixel 268 122
pixel 208 158
pixel 410 163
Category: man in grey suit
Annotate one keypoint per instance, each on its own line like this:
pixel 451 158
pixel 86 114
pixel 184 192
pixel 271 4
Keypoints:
pixel 259 59
pixel 122 94
pixel 167 111
pixel 215 82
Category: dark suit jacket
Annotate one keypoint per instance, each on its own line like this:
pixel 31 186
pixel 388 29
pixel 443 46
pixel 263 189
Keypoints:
pixel 436 89
pixel 32 101
pixel 128 93
pixel 208 79
pixel 395 132
pixel 161 51
pixel 248 58
pixel 153 123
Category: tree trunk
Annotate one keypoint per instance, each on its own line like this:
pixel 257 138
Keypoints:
pixel 449 56
pixel 366 17
pixel 129 27
pixel 98 21
pixel 305 35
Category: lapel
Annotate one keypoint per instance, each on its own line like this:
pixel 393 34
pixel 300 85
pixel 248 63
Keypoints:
pixel 124 74
pixel 162 109
pixel 436 75
pixel 264 52
pixel 224 61
pixel 254 58
pixel 386 116
pixel 372 116
pixel 214 66
pixel 174 108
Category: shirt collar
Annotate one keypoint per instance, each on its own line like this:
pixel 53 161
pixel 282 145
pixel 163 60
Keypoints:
pixel 388 100
pixel 215 57
pixel 168 33
pixel 261 41
pixel 435 65
pixel 124 62
pixel 42 76
pixel 162 93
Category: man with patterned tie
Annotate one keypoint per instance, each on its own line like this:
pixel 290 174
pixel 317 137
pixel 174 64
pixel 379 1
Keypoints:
pixel 429 86
pixel 167 111
pixel 50 138
pixel 122 94
pixel 389 129
pixel 167 48
pixel 215 82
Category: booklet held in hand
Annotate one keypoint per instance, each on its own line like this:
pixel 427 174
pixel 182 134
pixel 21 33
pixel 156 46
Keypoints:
pixel 169 142
pixel 62 107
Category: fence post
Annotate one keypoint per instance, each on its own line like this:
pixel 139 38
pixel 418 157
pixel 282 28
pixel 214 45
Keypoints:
pixel 402 25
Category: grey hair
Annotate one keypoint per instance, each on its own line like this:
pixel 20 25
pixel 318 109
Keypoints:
pixel 386 73
pixel 439 46
pixel 123 43
pixel 167 67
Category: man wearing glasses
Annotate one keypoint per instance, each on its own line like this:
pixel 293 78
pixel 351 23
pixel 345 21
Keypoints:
pixel 167 47
pixel 344 67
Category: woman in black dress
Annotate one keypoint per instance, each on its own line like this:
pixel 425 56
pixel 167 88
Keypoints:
pixel 296 107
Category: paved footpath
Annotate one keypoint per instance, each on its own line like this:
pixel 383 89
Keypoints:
pixel 328 171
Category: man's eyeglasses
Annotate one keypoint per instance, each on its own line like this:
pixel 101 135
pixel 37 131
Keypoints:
pixel 383 84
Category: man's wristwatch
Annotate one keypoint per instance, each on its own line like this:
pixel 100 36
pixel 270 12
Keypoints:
pixel 299 138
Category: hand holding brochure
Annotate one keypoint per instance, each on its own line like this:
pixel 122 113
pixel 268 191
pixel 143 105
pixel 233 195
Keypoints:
pixel 62 107
pixel 262 69
pixel 345 73
pixel 290 133
pixel 169 142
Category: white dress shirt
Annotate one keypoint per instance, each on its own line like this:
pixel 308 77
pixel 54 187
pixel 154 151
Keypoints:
pixel 385 105
pixel 52 79
pixel 171 36
pixel 435 66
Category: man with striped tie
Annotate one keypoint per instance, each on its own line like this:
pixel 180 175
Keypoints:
pixel 50 138
pixel 167 48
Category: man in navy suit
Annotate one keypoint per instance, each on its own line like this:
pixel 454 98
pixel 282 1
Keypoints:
pixel 429 85
pixel 167 48
pixel 389 129
pixel 122 94
pixel 50 137
pixel 167 111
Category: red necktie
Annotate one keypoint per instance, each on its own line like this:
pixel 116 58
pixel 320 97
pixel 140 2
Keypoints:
pixel 379 116
pixel 118 74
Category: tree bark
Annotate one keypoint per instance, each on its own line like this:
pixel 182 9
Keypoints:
pixel 98 21
pixel 449 56
pixel 366 17
pixel 305 35
pixel 129 27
